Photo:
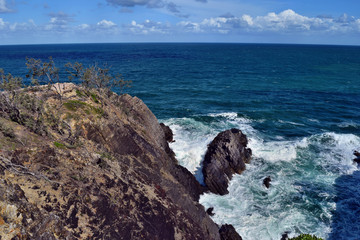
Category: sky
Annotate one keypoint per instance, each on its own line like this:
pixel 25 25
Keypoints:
pixel 240 21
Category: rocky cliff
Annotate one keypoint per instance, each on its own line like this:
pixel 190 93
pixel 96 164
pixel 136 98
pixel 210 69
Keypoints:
pixel 92 166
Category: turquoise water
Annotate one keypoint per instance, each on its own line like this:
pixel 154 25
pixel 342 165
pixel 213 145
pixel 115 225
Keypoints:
pixel 298 104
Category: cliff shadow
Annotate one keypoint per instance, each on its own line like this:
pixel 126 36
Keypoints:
pixel 346 218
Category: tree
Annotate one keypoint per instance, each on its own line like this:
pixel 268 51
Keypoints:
pixel 9 83
pixel 44 73
pixel 8 87
pixel 96 77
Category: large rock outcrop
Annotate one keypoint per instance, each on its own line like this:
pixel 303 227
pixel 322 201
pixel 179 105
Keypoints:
pixel 89 166
pixel 226 155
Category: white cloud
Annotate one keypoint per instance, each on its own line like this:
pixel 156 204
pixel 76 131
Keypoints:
pixel 188 26
pixel 83 26
pixel 248 19
pixel 59 21
pixel 2 23
pixel 3 7
pixel 147 27
pixel 105 24
pixel 286 21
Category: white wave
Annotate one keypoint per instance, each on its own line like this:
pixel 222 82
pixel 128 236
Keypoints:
pixel 303 172
pixel 348 124
pixel 291 123
pixel 301 196
pixel 229 115
pixel 192 137
pixel 274 150
pixel 335 151
pixel 191 140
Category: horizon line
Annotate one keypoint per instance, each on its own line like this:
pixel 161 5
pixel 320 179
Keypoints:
pixel 155 42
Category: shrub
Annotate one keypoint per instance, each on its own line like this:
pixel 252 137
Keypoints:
pixel 306 237
pixel 7 131
pixel 44 73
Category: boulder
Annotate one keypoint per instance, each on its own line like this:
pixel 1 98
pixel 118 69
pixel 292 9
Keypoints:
pixel 226 155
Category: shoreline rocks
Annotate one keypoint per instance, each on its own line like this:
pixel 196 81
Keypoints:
pixel 226 155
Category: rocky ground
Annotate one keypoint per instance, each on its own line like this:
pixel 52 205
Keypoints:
pixel 87 165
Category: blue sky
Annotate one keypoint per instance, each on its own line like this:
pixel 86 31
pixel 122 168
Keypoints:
pixel 254 21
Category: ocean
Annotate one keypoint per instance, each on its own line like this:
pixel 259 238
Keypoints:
pixel 299 106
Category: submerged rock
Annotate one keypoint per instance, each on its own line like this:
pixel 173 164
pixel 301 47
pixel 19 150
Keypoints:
pixel 285 236
pixel 267 181
pixel 226 155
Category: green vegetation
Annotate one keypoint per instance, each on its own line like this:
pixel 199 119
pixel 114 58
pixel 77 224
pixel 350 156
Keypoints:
pixel 106 155
pixel 75 105
pixel 59 145
pixel 306 237
pixel 6 130
pixel 44 73
pixel 9 83
pixel 80 93
pixel 94 97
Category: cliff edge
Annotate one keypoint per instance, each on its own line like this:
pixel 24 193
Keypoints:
pixel 92 166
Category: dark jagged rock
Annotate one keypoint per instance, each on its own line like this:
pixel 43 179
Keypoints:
pixel 103 170
pixel 357 159
pixel 267 181
pixel 226 155
pixel 228 232
pixel 169 136
pixel 285 236
pixel 210 211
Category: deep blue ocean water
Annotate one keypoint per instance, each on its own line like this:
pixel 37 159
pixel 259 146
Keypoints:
pixel 298 104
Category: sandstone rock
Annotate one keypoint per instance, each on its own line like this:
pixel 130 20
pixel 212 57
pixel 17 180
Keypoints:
pixel 226 155
pixel 228 232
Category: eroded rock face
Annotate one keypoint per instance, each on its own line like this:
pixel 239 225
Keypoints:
pixel 100 170
pixel 226 155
